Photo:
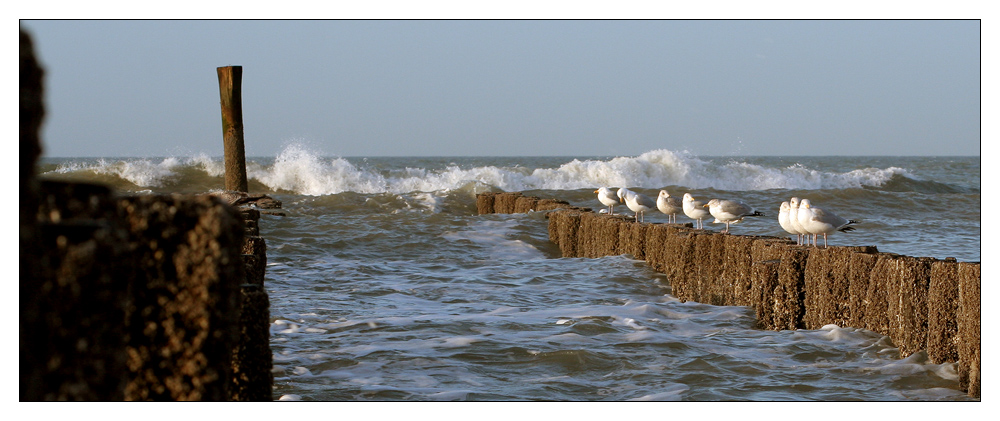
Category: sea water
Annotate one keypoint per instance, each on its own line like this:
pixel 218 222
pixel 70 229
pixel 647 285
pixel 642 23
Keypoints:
pixel 385 285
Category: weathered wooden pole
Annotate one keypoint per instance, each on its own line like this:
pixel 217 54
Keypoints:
pixel 230 87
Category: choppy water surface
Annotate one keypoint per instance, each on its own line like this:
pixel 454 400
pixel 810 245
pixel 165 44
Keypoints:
pixel 385 285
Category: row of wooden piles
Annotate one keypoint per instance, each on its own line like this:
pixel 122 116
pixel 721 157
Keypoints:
pixel 922 304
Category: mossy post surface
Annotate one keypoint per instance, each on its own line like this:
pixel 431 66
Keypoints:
pixel 186 297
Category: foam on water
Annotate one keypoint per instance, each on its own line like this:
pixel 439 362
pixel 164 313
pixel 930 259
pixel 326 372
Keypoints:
pixel 302 171
pixel 212 167
pixel 141 172
pixel 298 170
pixel 662 167
pixel 495 236
pixel 669 392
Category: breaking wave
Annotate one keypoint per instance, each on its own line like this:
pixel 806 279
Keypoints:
pixel 298 170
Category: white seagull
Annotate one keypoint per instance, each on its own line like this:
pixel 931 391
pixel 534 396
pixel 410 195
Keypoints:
pixel 638 203
pixel 793 220
pixel 802 216
pixel 607 199
pixel 695 209
pixel 669 205
pixel 824 222
pixel 786 224
pixel 730 211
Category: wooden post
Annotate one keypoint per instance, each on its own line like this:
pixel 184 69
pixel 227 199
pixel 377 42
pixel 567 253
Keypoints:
pixel 230 87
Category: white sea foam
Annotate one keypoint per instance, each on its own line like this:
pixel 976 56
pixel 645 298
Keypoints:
pixel 212 167
pixel 304 172
pixel 451 395
pixel 670 392
pixel 494 235
pixel 144 172
pixel 458 342
pixel 141 172
pixel 639 336
pixel 427 201
pixel 299 170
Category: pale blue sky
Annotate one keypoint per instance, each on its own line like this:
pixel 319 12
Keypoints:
pixel 460 88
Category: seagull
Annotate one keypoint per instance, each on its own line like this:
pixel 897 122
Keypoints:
pixel 824 222
pixel 607 199
pixel 694 209
pixel 802 215
pixel 622 192
pixel 793 220
pixel 786 224
pixel 730 211
pixel 638 203
pixel 669 205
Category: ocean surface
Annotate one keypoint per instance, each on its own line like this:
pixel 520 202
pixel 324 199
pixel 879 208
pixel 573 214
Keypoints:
pixel 386 286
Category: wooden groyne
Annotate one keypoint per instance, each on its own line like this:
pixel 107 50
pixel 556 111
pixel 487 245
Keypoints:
pixel 146 297
pixel 920 303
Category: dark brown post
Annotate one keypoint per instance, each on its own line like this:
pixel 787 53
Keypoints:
pixel 230 87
